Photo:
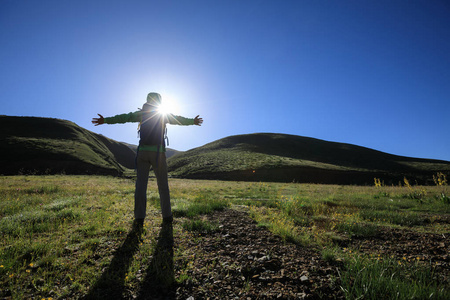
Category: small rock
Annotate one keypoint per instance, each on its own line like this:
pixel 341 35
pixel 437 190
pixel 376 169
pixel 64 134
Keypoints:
pixel 304 278
pixel 264 258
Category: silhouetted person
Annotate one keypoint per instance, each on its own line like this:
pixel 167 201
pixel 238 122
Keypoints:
pixel 151 151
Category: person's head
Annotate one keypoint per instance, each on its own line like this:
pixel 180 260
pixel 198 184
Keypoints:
pixel 153 102
pixel 154 99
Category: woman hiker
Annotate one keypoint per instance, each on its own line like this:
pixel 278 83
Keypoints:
pixel 151 151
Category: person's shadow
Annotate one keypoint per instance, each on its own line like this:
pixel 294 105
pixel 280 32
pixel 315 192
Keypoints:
pixel 159 282
pixel 111 285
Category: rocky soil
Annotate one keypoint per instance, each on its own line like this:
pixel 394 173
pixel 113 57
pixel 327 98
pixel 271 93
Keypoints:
pixel 241 260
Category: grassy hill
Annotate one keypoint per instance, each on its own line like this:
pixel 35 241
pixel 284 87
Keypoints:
pixel 48 146
pixel 280 157
pixel 44 145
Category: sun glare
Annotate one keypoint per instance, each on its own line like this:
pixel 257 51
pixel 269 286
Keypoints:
pixel 163 109
pixel 168 106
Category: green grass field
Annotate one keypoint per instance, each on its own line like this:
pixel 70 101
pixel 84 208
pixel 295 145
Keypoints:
pixel 73 236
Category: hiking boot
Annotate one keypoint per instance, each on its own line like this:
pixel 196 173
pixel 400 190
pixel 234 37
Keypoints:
pixel 138 224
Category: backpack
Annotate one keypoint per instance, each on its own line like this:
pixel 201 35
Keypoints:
pixel 152 128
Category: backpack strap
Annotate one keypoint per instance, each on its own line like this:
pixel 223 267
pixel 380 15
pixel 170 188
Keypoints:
pixel 139 129
pixel 166 137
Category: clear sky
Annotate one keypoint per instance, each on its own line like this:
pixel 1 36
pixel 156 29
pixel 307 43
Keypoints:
pixel 370 73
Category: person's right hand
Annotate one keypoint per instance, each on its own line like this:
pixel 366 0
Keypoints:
pixel 98 121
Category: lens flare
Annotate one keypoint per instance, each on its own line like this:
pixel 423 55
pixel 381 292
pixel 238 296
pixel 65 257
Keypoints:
pixel 168 106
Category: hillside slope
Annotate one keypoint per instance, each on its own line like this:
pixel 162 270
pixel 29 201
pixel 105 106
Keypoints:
pixel 45 145
pixel 280 157
pixel 48 146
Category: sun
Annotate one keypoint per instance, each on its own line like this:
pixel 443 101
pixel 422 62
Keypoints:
pixel 163 109
pixel 168 105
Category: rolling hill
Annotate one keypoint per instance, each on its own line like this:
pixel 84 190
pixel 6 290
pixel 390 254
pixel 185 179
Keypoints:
pixel 47 146
pixel 287 158
pixel 32 145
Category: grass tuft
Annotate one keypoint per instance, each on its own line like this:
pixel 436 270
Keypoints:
pixel 198 207
pixel 200 226
pixel 365 278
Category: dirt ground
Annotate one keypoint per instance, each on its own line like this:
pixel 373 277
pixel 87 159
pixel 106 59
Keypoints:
pixel 242 260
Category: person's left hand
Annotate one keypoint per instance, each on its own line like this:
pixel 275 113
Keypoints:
pixel 198 121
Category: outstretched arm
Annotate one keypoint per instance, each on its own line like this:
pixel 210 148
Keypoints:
pixel 179 120
pixel 98 121
pixel 122 118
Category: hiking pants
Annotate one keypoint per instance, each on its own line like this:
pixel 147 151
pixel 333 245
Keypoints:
pixel 157 160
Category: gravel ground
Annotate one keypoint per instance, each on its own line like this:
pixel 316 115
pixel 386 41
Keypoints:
pixel 244 261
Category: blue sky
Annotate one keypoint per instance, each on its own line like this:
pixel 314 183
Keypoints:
pixel 370 73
